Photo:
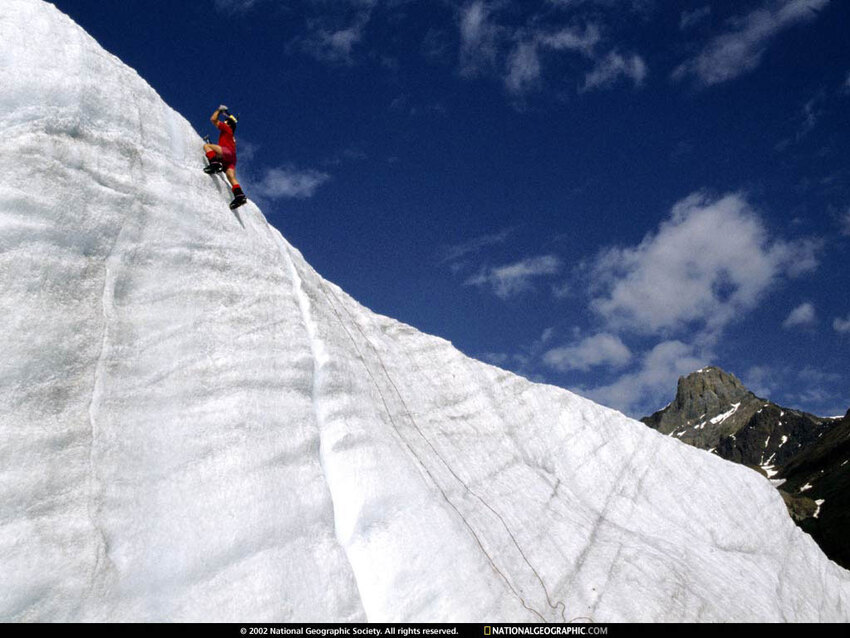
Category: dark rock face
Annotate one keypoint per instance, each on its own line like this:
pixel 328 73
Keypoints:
pixel 709 390
pixel 800 507
pixel 822 472
pixel 771 437
pixel 710 405
pixel 807 457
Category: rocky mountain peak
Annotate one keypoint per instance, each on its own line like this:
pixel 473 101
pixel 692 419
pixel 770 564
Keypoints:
pixel 710 404
pixel 707 392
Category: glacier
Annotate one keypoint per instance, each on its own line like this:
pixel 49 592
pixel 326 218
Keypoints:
pixel 195 425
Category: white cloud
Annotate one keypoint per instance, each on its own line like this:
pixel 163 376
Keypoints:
pixel 491 43
pixel 802 315
pixel 523 68
pixel 690 19
pixel 612 67
pixel 513 279
pixel 740 49
pixel 641 392
pixel 518 53
pixel 333 43
pixel 709 263
pixel 800 257
pixel 816 377
pixel 573 39
pixel 456 254
pixel 329 30
pixel 479 39
pixel 289 182
pixel 841 325
pixel 600 349
pixel 338 44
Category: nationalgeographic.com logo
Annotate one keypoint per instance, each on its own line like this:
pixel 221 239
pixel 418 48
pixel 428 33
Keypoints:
pixel 544 630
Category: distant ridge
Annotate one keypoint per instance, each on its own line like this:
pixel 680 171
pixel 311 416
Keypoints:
pixel 804 455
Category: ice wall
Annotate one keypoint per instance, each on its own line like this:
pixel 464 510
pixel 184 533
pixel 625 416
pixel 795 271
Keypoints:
pixel 194 425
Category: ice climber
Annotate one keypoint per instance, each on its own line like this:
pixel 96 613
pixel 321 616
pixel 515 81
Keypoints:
pixel 222 156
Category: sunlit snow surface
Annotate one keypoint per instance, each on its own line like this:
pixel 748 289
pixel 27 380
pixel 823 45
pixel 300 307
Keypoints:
pixel 196 426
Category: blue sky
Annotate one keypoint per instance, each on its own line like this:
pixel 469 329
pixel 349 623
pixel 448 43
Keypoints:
pixel 598 194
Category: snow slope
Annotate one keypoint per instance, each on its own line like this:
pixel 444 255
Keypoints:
pixel 194 425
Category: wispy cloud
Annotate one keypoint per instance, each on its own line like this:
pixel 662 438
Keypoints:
pixel 483 36
pixel 644 390
pixel 335 46
pixel 327 30
pixel 479 39
pixel 711 262
pixel 841 325
pixel 613 67
pixel 808 388
pixel 524 66
pixel 636 6
pixel 803 315
pixel 599 350
pixel 562 290
pixel 811 114
pixel 516 278
pixel 690 19
pixel 525 361
pixel 761 380
pixel 490 45
pixel 741 48
pixel 576 39
pixel 457 254
pixel 235 6
pixel 333 34
pixel 289 182
pixel 247 151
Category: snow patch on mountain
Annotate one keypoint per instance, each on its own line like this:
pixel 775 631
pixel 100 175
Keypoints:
pixel 720 418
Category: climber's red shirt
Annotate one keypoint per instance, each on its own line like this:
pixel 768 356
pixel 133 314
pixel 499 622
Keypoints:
pixel 226 139
pixel 228 145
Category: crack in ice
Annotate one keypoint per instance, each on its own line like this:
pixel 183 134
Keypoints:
pixel 320 359
pixel 559 606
